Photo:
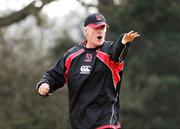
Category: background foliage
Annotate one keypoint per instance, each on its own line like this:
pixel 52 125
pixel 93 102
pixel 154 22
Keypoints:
pixel 150 89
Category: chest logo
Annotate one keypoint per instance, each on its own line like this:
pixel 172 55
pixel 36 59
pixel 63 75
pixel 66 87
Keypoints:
pixel 88 57
pixel 85 69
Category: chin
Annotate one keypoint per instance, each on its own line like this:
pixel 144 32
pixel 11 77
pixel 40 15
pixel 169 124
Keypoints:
pixel 100 43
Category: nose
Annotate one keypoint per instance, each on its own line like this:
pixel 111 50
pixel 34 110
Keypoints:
pixel 99 30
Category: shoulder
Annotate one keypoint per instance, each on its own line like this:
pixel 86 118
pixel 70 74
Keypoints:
pixel 77 48
pixel 107 45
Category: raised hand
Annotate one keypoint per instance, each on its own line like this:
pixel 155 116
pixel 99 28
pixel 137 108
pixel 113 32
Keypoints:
pixel 130 36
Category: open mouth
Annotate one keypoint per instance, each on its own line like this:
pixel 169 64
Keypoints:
pixel 99 37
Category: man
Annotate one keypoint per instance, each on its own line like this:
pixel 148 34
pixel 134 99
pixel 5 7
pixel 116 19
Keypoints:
pixel 93 72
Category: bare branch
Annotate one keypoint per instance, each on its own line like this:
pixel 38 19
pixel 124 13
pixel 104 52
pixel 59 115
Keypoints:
pixel 23 13
pixel 85 4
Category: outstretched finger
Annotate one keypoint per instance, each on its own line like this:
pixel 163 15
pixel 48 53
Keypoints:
pixel 130 32
pixel 136 35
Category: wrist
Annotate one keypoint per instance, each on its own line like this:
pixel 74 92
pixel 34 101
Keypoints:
pixel 123 41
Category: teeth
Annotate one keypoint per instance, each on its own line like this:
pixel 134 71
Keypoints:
pixel 99 37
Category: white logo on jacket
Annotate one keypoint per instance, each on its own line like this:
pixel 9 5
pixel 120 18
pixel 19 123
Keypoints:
pixel 85 69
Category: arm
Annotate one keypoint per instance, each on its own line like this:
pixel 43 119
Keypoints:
pixel 120 47
pixel 52 79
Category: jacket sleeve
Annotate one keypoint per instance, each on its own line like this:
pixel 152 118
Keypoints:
pixel 54 76
pixel 119 50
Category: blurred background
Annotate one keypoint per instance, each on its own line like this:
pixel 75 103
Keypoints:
pixel 34 34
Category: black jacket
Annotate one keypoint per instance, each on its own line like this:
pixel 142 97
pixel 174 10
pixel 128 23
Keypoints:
pixel 93 77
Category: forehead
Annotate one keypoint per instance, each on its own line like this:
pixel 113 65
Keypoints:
pixel 100 27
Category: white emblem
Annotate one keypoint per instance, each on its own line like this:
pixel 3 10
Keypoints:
pixel 85 69
pixel 88 57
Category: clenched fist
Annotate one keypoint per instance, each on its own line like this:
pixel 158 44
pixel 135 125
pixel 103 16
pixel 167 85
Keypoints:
pixel 130 36
pixel 43 89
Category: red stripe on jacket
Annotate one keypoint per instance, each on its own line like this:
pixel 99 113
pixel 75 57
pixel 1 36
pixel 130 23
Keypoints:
pixel 69 60
pixel 115 67
pixel 109 127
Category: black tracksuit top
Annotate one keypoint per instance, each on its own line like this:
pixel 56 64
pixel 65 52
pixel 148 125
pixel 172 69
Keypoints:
pixel 93 77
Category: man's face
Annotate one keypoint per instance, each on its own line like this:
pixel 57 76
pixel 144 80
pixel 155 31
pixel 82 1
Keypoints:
pixel 95 36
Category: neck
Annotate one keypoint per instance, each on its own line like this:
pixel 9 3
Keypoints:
pixel 90 45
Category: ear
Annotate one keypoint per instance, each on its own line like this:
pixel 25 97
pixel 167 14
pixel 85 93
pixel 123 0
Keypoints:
pixel 85 31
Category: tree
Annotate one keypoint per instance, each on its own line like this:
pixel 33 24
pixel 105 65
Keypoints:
pixel 152 75
pixel 30 9
pixel 23 60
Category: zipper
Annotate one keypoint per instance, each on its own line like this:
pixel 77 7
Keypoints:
pixel 111 119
